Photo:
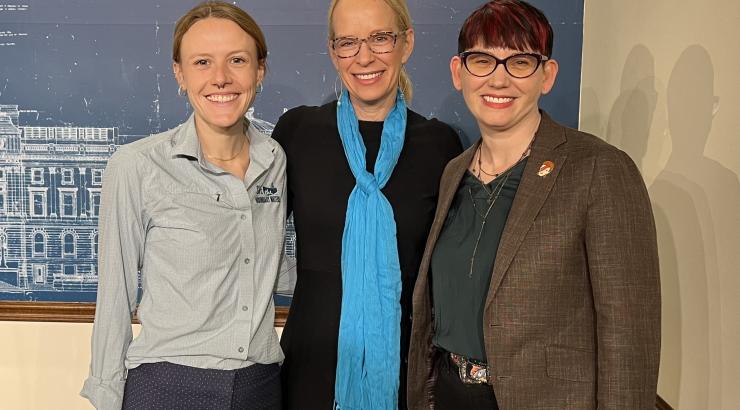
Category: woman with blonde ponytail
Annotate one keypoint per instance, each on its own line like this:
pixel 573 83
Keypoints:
pixel 363 176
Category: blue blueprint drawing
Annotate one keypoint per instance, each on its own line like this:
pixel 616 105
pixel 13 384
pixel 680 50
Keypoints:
pixel 79 78
pixel 50 184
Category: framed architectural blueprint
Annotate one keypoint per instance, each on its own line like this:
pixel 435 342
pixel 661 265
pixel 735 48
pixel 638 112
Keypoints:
pixel 80 78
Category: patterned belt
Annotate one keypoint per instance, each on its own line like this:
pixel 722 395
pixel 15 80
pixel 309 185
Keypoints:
pixel 471 371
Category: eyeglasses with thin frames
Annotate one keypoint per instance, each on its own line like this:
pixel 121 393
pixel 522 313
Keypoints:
pixel 379 43
pixel 520 65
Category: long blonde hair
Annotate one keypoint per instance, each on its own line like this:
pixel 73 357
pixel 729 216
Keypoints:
pixel 403 20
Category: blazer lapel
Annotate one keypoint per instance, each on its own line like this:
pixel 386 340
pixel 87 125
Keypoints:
pixel 530 196
pixel 447 188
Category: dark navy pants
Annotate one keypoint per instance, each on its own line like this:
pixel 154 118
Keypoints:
pixel 163 386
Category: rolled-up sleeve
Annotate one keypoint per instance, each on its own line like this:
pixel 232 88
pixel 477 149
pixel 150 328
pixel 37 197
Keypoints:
pixel 121 244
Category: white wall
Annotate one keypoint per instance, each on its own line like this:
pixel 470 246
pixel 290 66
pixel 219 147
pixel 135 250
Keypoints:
pixel 660 79
pixel 43 365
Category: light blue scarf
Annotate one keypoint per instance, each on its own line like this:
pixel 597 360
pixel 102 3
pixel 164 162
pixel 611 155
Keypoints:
pixel 368 358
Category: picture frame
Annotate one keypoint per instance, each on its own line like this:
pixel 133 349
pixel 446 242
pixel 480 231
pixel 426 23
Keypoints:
pixel 75 91
pixel 77 312
pixel 50 187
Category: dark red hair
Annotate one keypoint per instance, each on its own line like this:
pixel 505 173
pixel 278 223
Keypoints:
pixel 510 24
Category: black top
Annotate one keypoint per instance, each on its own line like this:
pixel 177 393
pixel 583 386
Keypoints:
pixel 459 296
pixel 319 185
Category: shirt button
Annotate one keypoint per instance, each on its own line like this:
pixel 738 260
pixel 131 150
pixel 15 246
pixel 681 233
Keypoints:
pixel 241 349
pixel 244 308
pixel 246 261
pixel 243 217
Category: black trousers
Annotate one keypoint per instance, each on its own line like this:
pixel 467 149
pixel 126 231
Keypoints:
pixel 452 394
pixel 163 386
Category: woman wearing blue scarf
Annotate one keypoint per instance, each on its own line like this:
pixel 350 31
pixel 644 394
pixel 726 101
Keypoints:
pixel 363 175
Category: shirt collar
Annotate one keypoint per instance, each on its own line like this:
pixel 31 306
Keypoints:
pixel 185 143
pixel 261 153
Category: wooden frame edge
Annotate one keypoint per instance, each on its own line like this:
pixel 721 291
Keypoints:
pixel 71 312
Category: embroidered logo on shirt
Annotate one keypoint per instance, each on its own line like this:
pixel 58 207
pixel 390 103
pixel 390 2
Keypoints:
pixel 267 194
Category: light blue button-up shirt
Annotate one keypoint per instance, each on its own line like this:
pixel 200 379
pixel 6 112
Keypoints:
pixel 209 249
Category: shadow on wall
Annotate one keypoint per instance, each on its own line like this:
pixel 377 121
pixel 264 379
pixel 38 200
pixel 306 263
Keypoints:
pixel 628 127
pixel 695 200
pixel 632 113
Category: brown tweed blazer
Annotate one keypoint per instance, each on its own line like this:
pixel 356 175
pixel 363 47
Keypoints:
pixel 572 316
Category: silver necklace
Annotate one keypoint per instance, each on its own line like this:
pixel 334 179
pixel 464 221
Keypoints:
pixel 480 162
pixel 492 197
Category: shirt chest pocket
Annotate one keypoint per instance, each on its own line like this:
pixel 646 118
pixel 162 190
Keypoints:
pixel 188 218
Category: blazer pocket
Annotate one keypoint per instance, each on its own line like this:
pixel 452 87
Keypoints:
pixel 566 363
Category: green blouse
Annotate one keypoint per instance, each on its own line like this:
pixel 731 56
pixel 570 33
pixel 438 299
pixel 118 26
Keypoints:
pixel 459 296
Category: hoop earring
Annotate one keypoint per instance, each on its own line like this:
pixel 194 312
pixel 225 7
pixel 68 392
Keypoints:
pixel 400 88
pixel 341 87
pixel 260 88
pixel 181 91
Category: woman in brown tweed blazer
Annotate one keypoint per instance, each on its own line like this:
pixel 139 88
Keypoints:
pixel 539 285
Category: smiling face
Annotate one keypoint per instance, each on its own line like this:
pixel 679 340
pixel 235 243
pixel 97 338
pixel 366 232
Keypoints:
pixel 220 71
pixel 500 102
pixel 371 79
